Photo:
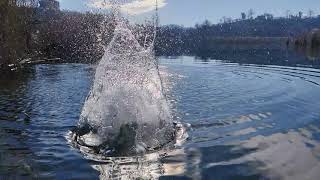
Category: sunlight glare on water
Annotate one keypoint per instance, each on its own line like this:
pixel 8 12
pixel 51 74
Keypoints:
pixel 243 118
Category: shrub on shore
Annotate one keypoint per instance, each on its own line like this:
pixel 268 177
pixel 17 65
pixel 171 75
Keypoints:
pixel 309 40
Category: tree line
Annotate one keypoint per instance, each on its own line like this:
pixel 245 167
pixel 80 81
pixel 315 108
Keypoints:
pixel 28 31
pixel 16 18
pixel 202 37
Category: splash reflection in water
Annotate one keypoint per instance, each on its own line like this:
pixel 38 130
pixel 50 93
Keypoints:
pixel 247 122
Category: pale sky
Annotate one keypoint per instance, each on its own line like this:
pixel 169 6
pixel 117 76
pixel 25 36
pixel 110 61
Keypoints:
pixel 190 12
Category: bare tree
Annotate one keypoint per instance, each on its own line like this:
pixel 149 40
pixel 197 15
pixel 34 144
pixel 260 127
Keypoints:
pixel 288 14
pixel 15 29
pixel 243 16
pixel 300 15
pixel 310 13
pixel 250 14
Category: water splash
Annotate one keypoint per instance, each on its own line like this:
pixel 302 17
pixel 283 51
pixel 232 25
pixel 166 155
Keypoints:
pixel 126 110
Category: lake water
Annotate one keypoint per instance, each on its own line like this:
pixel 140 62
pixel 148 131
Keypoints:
pixel 247 122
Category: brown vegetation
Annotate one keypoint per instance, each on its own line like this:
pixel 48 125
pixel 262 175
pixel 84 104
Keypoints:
pixel 15 30
pixel 310 39
pixel 32 32
pixel 309 44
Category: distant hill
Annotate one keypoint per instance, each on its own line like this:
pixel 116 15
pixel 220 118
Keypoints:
pixel 262 26
pixel 173 39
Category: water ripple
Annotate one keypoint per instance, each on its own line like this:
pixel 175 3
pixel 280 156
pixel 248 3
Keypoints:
pixel 246 121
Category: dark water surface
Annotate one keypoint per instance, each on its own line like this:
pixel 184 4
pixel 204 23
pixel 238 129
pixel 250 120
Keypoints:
pixel 247 122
